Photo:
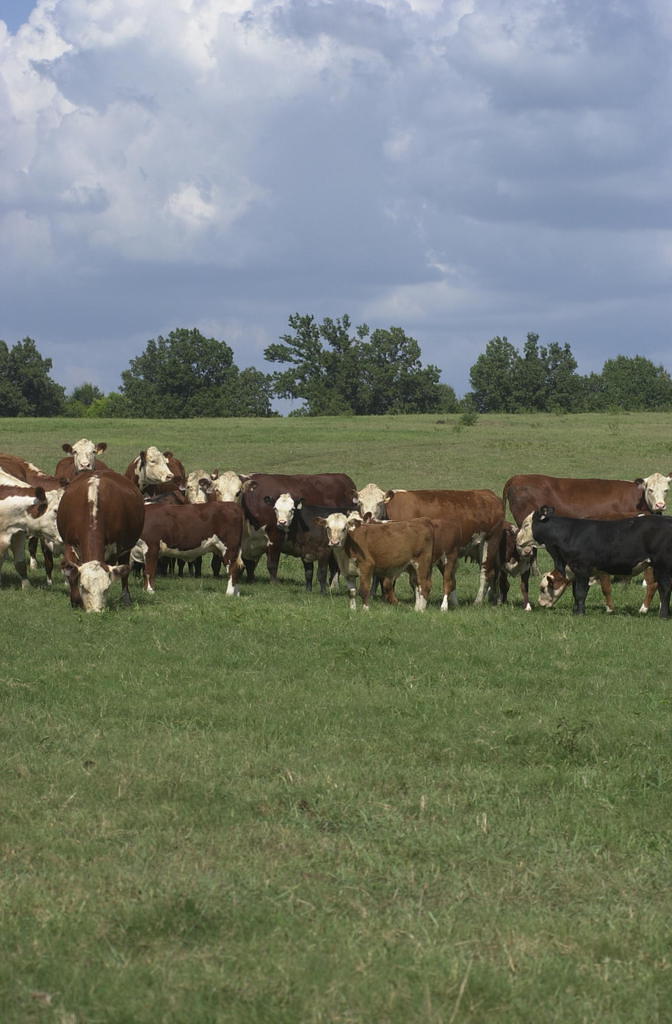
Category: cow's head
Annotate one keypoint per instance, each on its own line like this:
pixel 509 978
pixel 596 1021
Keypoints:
pixel 337 525
pixel 552 586
pixel 525 538
pixel 90 582
pixel 153 466
pixel 655 490
pixel 514 562
pixel 371 502
pixel 227 486
pixel 284 507
pixel 84 453
pixel 198 487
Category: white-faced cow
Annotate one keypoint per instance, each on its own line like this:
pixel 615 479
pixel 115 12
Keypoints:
pixel 552 586
pixel 478 517
pixel 100 517
pixel 81 455
pixel 151 471
pixel 385 550
pixel 370 503
pixel 191 531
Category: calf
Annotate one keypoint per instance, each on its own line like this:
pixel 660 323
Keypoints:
pixel 41 528
pixel 386 550
pixel 100 516
pixel 20 508
pixel 189 531
pixel 619 547
pixel 305 537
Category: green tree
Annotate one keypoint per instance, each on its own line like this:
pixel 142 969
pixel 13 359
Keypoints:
pixel 541 379
pixel 79 402
pixel 26 389
pixel 493 377
pixel 187 375
pixel 338 371
pixel 635 383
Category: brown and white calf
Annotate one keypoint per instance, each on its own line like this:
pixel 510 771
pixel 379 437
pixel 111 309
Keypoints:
pixel 188 532
pixel 81 455
pixel 100 516
pixel 20 508
pixel 385 550
pixel 477 515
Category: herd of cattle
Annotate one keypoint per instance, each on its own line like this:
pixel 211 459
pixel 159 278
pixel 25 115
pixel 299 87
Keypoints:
pixel 156 513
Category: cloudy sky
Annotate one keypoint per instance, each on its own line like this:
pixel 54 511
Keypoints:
pixel 460 168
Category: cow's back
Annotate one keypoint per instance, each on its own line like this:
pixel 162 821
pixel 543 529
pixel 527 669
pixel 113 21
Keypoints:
pixel 580 498
pixel 261 490
pixel 100 508
pixel 477 511
pixel 185 526
pixel 391 544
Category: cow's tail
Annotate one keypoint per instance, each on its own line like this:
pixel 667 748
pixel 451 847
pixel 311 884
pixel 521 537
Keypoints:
pixel 505 496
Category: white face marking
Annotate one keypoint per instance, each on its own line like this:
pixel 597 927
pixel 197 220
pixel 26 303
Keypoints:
pixel 655 490
pixel 92 495
pixel 228 486
pixel 284 510
pixel 194 493
pixel 84 454
pixel 94 582
pixel 155 469
pixel 524 539
pixel 370 501
pixel 337 528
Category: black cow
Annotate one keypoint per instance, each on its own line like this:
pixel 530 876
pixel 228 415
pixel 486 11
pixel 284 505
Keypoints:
pixel 619 547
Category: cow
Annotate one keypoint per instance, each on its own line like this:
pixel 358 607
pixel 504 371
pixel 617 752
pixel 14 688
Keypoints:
pixel 582 498
pixel 21 507
pixel 478 515
pixel 618 547
pixel 552 586
pixel 305 537
pixel 81 455
pixel 370 502
pixel 188 532
pixel 511 563
pixel 151 471
pixel 100 513
pixel 385 549
pixel 260 491
pixel 42 529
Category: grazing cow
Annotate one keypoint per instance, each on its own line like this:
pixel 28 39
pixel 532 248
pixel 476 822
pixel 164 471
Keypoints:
pixel 552 586
pixel 370 502
pixel 150 471
pixel 100 513
pixel 512 563
pixel 618 547
pixel 386 550
pixel 478 516
pixel 21 507
pixel 188 532
pixel 260 491
pixel 81 456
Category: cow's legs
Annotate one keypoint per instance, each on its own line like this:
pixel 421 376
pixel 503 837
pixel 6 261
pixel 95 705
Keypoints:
pixel 250 568
pixel 651 588
pixel 308 574
pixel 580 589
pixel 604 580
pixel 483 574
pixel 664 587
pixel 322 574
pixel 273 561
pixel 423 586
pixel 32 552
pixel 365 574
pixel 151 561
pixel 387 583
pixel 449 590
pixel 18 544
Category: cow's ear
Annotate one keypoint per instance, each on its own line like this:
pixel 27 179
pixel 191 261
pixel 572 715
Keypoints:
pixel 204 483
pixel 388 496
pixel 214 474
pixel 101 447
pixel 168 455
pixel 546 511
pixel 70 571
pixel 67 448
pixel 320 521
pixel 639 481
pixel 119 572
pixel 249 485
pixel 298 504
pixel 143 458
pixel 268 500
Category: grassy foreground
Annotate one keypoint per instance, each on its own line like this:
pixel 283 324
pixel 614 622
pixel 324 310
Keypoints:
pixel 271 809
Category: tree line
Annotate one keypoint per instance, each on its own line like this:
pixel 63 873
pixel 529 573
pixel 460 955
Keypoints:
pixel 334 369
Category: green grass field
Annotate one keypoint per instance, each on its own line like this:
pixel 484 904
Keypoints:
pixel 271 809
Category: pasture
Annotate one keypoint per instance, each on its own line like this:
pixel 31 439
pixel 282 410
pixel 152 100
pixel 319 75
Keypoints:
pixel 271 809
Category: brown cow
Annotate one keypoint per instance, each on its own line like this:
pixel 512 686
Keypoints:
pixel 385 550
pixel 100 512
pixel 81 455
pixel 15 470
pixel 478 517
pixel 188 532
pixel 262 490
